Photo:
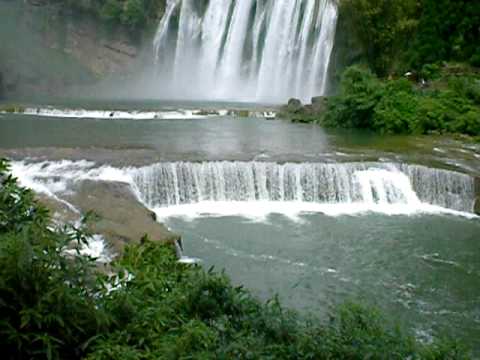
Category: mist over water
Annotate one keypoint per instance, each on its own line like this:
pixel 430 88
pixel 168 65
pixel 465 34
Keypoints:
pixel 260 50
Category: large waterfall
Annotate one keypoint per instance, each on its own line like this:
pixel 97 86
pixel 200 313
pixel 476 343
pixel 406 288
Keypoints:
pixel 252 50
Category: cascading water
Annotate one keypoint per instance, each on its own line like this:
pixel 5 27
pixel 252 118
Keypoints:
pixel 170 184
pixel 252 187
pixel 260 50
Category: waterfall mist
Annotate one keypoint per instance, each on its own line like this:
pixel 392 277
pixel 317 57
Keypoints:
pixel 249 50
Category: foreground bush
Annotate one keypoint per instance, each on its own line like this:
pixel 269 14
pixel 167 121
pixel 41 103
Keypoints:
pixel 55 306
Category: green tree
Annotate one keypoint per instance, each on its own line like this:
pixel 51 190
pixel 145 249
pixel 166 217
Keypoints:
pixel 384 28
pixel 448 30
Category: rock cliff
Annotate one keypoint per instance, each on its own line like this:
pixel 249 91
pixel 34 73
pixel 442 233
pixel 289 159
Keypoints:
pixel 48 49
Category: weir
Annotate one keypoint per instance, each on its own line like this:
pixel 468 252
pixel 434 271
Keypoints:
pixel 335 188
pixel 171 184
pixel 257 50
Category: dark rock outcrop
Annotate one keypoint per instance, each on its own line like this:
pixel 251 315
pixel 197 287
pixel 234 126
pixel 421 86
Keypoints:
pixel 476 207
pixel 294 105
pixel 309 113
pixel 55 50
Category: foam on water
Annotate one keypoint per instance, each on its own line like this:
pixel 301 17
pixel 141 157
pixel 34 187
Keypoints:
pixel 96 248
pixel 120 114
pixel 54 177
pixel 178 114
pixel 260 210
pixel 256 189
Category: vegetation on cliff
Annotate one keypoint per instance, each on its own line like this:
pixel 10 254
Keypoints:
pixel 136 14
pixel 403 35
pixel 55 305
pixel 449 103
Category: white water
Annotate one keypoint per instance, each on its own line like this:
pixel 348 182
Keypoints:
pixel 96 247
pixel 181 114
pixel 256 189
pixel 120 114
pixel 250 50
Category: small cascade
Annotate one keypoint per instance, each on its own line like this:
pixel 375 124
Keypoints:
pixel 171 184
pixel 338 188
pixel 252 50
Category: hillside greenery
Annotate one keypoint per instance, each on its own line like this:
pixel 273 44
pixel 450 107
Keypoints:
pixel 448 103
pixel 404 35
pixel 147 305
pixel 136 14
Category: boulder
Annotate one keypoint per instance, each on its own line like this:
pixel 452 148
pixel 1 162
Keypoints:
pixel 294 105
pixel 319 104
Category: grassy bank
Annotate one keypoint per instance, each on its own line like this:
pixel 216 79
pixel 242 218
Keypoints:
pixel 149 306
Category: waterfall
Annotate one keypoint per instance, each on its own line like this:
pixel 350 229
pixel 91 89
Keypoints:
pixel 170 184
pixel 251 50
pixel 265 187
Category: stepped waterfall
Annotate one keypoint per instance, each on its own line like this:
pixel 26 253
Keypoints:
pixel 366 186
pixel 170 184
pixel 251 50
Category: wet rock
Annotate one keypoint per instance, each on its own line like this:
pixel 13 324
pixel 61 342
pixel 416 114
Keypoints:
pixel 319 104
pixel 294 105
pixel 122 219
pixel 477 187
pixel 308 109
pixel 476 207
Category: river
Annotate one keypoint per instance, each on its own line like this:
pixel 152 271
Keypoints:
pixel 315 216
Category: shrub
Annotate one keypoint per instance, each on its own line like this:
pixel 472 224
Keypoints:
pixel 354 107
pixel 397 109
pixel 47 300
pixel 397 106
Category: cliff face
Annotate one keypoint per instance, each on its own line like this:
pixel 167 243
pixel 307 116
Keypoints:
pixel 47 50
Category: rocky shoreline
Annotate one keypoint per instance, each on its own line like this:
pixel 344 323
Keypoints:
pixel 298 112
